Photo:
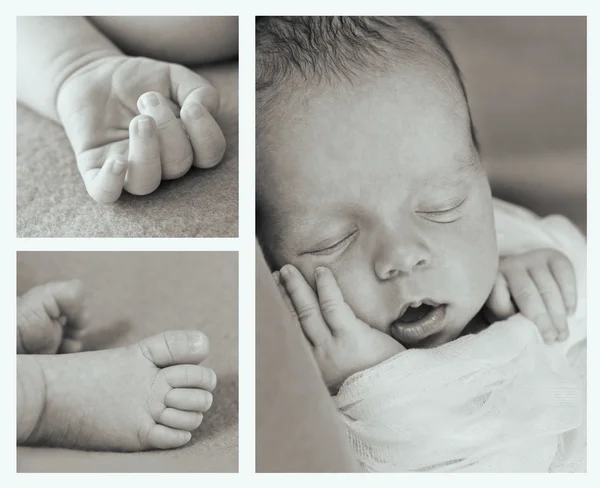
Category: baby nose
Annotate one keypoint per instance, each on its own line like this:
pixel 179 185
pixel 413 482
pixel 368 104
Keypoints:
pixel 401 256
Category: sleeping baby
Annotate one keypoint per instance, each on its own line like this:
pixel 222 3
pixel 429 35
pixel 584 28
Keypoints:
pixel 437 315
pixel 133 113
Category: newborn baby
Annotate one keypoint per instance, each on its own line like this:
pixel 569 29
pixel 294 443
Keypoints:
pixel 132 119
pixel 150 395
pixel 372 200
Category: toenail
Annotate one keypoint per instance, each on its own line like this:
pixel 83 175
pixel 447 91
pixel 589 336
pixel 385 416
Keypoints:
pixel 198 344
pixel 119 168
pixel 195 111
pixel 145 127
pixel 150 100
pixel 208 399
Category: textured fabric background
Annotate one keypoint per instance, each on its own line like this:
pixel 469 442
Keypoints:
pixel 52 200
pixel 133 295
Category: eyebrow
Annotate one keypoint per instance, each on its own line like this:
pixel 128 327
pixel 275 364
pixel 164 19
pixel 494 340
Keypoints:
pixel 469 167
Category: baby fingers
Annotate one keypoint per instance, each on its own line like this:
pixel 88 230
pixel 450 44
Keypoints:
pixel 206 137
pixel 144 173
pixel 106 184
pixel 285 296
pixel 528 299
pixel 175 149
pixel 335 310
pixel 306 305
pixel 564 274
pixel 551 295
pixel 499 302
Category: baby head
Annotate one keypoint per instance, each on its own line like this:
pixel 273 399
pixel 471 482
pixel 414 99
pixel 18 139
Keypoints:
pixel 368 164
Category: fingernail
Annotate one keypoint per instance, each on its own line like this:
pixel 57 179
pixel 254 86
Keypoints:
pixel 195 111
pixel 285 272
pixel 150 100
pixel 187 436
pixel 320 271
pixel 119 168
pixel 145 128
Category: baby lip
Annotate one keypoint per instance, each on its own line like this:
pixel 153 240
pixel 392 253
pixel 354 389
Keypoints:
pixel 415 304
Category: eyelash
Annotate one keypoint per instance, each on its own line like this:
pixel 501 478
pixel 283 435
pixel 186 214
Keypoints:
pixel 336 247
pixel 440 213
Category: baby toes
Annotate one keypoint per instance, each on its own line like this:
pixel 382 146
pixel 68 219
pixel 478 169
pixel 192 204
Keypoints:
pixel 190 376
pixel 180 419
pixel 162 437
pixel 175 347
pixel 189 399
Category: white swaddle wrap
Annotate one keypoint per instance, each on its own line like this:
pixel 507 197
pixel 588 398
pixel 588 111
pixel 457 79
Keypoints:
pixel 497 401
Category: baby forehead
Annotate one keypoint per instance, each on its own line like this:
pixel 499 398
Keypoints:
pixel 381 122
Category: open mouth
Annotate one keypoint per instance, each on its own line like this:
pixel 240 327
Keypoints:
pixel 413 314
pixel 417 323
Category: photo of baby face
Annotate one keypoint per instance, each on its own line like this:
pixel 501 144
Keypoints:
pixel 379 180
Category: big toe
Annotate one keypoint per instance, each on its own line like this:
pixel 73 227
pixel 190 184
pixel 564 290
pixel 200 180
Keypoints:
pixel 176 347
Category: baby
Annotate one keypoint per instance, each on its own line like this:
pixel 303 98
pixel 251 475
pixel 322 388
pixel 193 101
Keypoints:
pixel 372 198
pixel 150 395
pixel 132 119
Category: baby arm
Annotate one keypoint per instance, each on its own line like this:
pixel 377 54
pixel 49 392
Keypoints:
pixel 341 343
pixel 541 285
pixel 131 121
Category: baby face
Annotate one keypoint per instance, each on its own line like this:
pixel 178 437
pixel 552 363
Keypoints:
pixel 380 183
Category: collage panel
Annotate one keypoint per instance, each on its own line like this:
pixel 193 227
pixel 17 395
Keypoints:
pixel 127 126
pixel 421 273
pixel 127 361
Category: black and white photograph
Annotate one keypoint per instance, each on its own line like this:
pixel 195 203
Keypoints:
pixel 127 126
pixel 421 264
pixel 127 361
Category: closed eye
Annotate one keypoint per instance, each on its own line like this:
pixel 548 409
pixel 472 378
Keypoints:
pixel 335 247
pixel 445 216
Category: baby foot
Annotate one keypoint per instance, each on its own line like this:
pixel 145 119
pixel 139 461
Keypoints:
pixel 342 344
pixel 149 395
pixel 50 315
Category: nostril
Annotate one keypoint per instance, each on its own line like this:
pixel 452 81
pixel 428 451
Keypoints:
pixel 421 263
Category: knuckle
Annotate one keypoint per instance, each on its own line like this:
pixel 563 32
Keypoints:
pixel 330 306
pixel 546 290
pixel 525 293
pixel 306 312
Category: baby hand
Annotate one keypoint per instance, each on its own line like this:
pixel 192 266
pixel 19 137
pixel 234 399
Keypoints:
pixel 116 147
pixel 50 317
pixel 541 285
pixel 341 343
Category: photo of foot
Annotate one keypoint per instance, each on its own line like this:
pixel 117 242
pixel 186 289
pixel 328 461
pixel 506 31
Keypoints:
pixel 421 273
pixel 127 126
pixel 127 362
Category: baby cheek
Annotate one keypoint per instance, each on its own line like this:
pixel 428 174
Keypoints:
pixel 360 292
